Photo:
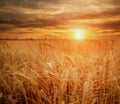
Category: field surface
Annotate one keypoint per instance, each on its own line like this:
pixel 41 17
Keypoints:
pixel 60 71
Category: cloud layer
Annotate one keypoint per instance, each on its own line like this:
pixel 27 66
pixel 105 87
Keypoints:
pixel 57 17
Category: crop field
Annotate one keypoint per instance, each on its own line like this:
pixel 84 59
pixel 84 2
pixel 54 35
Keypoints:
pixel 57 71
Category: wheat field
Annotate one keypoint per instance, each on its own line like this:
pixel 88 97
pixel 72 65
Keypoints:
pixel 60 72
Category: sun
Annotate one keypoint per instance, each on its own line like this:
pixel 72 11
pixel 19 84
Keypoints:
pixel 79 34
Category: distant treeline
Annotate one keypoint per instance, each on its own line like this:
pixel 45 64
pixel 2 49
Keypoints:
pixel 23 39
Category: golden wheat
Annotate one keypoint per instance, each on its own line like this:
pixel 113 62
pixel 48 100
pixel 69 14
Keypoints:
pixel 60 72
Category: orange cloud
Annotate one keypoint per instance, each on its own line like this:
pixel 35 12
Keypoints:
pixel 40 16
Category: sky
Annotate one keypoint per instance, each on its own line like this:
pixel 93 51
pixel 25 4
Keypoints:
pixel 58 18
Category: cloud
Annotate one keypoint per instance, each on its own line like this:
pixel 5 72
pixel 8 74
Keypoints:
pixel 22 20
pixel 34 4
pixel 112 25
pixel 58 14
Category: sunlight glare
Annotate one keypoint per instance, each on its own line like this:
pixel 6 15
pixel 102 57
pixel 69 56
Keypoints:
pixel 79 34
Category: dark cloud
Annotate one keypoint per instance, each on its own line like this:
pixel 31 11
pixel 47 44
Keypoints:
pixel 27 21
pixel 112 2
pixel 24 20
pixel 101 15
pixel 42 23
pixel 22 14
pixel 34 4
pixel 20 3
pixel 5 28
pixel 112 25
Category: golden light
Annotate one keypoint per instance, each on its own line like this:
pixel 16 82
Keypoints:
pixel 79 34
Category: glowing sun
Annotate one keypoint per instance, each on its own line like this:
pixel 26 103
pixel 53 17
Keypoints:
pixel 79 34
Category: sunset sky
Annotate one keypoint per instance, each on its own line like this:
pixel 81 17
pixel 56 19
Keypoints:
pixel 59 18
